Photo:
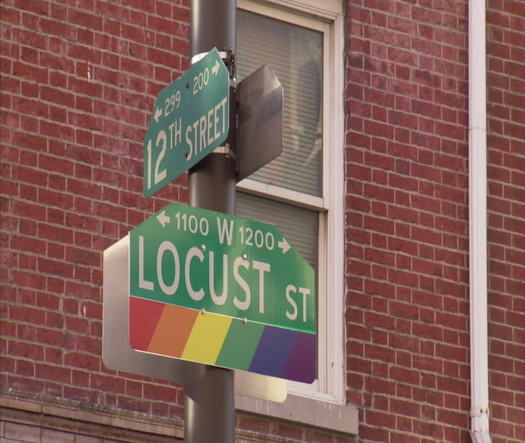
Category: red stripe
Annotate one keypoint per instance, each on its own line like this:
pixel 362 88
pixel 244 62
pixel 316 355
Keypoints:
pixel 144 316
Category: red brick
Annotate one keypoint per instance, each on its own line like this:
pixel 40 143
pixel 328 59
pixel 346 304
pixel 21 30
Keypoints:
pixel 52 198
pixel 55 373
pixel 248 422
pixel 403 375
pixel 31 385
pixel 376 418
pixel 90 21
pixel 374 433
pixel 82 360
pixel 404 407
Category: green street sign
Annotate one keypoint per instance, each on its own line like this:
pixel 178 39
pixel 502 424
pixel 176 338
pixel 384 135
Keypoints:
pixel 219 263
pixel 221 290
pixel 190 119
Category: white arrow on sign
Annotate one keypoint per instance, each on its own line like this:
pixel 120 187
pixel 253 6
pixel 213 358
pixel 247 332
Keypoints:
pixel 163 219
pixel 158 114
pixel 284 245
pixel 215 69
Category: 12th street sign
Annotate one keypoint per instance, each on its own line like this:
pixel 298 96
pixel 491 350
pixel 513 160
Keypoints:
pixel 222 290
pixel 190 119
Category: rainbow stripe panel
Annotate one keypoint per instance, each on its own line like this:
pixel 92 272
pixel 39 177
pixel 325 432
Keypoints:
pixel 218 340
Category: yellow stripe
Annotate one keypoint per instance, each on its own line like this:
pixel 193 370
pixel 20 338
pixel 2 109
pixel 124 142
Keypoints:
pixel 206 338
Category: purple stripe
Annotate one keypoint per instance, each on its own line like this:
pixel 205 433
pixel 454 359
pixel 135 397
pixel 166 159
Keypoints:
pixel 302 364
pixel 273 351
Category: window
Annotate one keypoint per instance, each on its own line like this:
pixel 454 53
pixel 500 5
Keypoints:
pixel 302 190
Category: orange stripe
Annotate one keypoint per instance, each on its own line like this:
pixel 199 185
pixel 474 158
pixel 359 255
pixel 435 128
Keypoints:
pixel 172 331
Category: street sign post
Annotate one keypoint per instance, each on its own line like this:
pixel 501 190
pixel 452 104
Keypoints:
pixel 190 119
pixel 212 288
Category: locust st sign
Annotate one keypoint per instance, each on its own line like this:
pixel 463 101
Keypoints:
pixel 190 119
pixel 222 290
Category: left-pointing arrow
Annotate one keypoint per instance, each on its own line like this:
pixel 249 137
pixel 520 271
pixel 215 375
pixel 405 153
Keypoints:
pixel 163 219
pixel 158 114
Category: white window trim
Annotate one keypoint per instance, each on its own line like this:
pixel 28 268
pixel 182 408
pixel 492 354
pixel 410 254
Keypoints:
pixel 324 406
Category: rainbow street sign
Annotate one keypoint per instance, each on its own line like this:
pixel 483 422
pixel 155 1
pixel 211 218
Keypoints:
pixel 221 290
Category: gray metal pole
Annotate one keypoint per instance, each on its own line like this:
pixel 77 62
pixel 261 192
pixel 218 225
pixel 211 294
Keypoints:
pixel 213 24
pixel 209 414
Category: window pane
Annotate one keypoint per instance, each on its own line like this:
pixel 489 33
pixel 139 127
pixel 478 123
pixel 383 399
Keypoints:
pixel 295 54
pixel 298 225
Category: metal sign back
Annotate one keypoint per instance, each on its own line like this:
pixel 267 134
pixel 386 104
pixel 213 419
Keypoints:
pixel 260 125
pixel 118 355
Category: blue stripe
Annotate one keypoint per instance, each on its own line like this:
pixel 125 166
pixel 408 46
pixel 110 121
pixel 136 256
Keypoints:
pixel 273 351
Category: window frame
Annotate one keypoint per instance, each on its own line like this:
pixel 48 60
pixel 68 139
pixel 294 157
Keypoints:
pixel 327 18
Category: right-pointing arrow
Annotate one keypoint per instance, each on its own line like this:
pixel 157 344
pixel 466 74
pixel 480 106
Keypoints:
pixel 215 68
pixel 284 245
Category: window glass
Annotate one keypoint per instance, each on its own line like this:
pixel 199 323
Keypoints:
pixel 295 54
pixel 298 225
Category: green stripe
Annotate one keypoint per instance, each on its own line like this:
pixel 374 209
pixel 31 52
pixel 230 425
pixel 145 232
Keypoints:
pixel 240 344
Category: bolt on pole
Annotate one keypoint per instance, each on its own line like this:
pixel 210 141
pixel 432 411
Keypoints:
pixel 209 414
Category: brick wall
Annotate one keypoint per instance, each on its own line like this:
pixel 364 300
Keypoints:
pixel 78 84
pixel 407 243
pixel 506 217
